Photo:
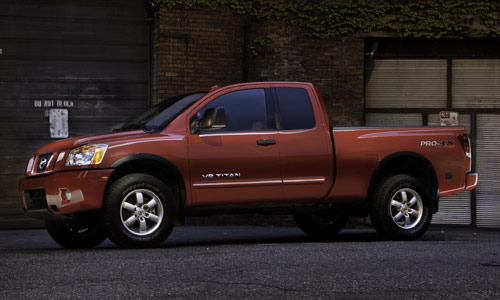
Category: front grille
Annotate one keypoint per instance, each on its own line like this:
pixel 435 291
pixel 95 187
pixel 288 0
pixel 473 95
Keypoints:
pixel 43 162
pixel 35 199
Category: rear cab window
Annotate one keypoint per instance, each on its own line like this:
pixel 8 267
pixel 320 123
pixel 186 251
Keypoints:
pixel 295 109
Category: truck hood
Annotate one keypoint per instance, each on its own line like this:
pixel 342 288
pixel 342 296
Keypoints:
pixel 109 138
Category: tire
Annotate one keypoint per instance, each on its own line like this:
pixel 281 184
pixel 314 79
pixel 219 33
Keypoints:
pixel 401 208
pixel 139 211
pixel 321 225
pixel 75 236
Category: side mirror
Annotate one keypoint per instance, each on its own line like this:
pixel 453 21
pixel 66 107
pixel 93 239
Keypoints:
pixel 213 119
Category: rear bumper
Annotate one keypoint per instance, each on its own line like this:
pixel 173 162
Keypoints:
pixel 471 183
pixel 63 192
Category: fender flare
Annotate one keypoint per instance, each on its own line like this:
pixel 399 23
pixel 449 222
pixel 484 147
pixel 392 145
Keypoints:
pixel 159 159
pixel 427 165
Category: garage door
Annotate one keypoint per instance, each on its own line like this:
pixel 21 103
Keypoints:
pixel 407 83
pixel 476 86
pixel 488 166
pixel 90 58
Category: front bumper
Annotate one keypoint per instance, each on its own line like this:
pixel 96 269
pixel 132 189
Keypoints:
pixel 63 192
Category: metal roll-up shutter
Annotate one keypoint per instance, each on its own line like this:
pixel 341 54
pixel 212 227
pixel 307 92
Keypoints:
pixel 488 167
pixel 89 57
pixel 386 119
pixel 476 83
pixel 407 83
pixel 455 209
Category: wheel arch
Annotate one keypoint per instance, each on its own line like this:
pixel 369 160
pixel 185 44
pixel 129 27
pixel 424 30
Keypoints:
pixel 409 163
pixel 153 165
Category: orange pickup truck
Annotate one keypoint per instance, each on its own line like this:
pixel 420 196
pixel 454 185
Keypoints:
pixel 254 147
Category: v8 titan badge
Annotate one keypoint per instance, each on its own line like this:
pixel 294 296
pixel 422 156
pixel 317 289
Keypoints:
pixel 221 175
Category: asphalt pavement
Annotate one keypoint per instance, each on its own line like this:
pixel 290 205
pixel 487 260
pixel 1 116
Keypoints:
pixel 247 262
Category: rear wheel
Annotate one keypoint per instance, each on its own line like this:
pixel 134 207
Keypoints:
pixel 75 236
pixel 323 225
pixel 139 211
pixel 401 208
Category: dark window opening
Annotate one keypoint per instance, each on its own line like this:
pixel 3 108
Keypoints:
pixel 245 110
pixel 295 109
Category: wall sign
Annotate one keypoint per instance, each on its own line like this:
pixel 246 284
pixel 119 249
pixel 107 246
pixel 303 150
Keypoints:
pixel 53 103
pixel 448 118
pixel 58 121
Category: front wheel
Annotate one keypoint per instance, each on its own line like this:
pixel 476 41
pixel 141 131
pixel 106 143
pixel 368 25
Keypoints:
pixel 322 225
pixel 401 208
pixel 75 236
pixel 139 211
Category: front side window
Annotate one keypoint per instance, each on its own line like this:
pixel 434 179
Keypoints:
pixel 295 109
pixel 244 110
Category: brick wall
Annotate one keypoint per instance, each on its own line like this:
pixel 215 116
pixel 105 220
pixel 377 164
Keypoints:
pixel 335 66
pixel 198 48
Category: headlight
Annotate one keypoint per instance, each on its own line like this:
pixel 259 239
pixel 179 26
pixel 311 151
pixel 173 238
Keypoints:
pixel 91 154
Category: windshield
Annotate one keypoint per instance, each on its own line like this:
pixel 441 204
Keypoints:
pixel 161 114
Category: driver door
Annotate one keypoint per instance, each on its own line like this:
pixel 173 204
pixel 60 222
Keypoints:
pixel 236 163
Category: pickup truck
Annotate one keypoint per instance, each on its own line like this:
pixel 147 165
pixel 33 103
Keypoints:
pixel 264 147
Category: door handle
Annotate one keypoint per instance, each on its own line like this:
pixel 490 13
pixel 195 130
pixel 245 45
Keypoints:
pixel 266 142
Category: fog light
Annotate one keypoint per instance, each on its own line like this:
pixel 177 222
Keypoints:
pixel 65 195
